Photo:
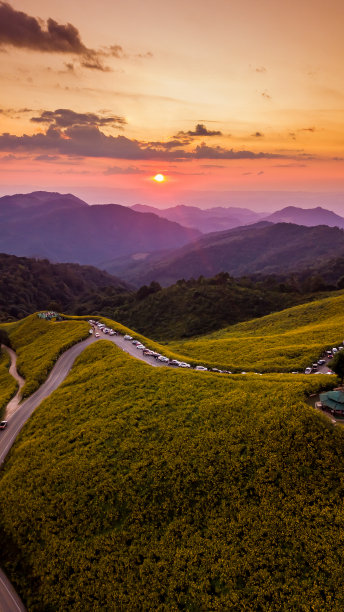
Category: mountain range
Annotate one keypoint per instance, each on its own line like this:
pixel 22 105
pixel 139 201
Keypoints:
pixel 264 248
pixel 140 245
pixel 220 218
pixel 64 228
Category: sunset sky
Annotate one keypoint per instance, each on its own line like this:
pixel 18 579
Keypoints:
pixel 219 96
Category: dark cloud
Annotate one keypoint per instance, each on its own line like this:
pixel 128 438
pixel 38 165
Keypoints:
pixel 79 134
pixel 169 144
pixel 260 69
pixel 17 29
pixel 48 158
pixel 200 130
pixel 204 152
pixel 118 170
pixel 266 95
pixel 64 117
pixel 258 135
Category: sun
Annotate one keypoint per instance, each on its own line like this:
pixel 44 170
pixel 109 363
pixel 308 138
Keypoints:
pixel 159 178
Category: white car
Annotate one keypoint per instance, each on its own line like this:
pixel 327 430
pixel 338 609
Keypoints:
pixel 140 346
pixel 175 362
pixel 97 335
pixel 183 364
pixel 200 368
pixel 164 359
pixel 90 331
pixel 127 337
pixel 308 371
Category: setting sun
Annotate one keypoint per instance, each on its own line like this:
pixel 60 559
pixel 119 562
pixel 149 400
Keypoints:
pixel 159 178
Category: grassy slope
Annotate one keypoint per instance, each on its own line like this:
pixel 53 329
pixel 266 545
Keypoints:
pixel 8 385
pixel 156 489
pixel 38 343
pixel 283 341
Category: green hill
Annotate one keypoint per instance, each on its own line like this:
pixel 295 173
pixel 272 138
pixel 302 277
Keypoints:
pixel 27 285
pixel 283 341
pixel 136 488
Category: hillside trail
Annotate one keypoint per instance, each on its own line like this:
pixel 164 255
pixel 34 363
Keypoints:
pixel 13 404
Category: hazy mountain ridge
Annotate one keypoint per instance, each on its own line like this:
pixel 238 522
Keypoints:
pixel 263 248
pixel 66 229
pixel 206 220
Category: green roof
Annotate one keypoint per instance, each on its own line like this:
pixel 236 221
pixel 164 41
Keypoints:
pixel 333 400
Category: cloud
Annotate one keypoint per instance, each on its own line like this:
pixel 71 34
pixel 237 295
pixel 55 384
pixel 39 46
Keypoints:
pixel 48 158
pixel 258 135
pixel 204 152
pixel 291 165
pixel 266 95
pixel 118 170
pixel 17 29
pixel 200 130
pixel 64 117
pixel 73 134
pixel 309 129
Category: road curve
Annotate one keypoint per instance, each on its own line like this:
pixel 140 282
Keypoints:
pixel 55 378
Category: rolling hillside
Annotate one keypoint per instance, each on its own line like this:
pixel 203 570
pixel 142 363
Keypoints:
pixel 262 248
pixel 283 341
pixel 161 489
pixel 27 285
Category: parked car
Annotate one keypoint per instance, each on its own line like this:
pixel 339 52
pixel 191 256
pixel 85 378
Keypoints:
pixel 97 335
pixel 308 370
pixel 164 359
pixel 3 424
pixel 200 368
pixel 90 331
pixel 140 346
pixel 321 362
pixel 183 364
pixel 127 337
pixel 174 362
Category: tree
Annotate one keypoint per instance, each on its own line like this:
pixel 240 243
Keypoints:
pixel 4 339
pixel 337 365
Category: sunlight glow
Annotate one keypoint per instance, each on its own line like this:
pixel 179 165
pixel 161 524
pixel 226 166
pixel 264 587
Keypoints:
pixel 159 178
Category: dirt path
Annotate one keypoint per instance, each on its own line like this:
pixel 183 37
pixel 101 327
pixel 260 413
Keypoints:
pixel 15 401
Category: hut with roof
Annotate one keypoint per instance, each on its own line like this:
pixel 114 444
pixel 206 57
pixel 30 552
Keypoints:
pixel 333 401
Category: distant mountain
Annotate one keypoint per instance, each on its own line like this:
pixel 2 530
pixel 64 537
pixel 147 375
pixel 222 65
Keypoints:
pixel 263 248
pixel 27 285
pixel 65 229
pixel 306 216
pixel 209 220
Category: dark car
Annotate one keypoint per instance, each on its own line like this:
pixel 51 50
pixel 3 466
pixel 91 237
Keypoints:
pixel 3 424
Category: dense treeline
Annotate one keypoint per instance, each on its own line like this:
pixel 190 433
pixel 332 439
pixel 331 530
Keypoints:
pixel 194 307
pixel 27 285
pixel 155 489
pixel 183 310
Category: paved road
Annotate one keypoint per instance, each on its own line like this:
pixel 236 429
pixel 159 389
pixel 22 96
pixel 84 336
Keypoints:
pixel 9 600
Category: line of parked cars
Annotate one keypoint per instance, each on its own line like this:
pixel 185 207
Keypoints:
pixel 170 362
pixel 329 354
pixel 102 328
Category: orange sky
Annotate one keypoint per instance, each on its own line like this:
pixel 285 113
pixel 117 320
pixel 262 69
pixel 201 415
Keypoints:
pixel 217 95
